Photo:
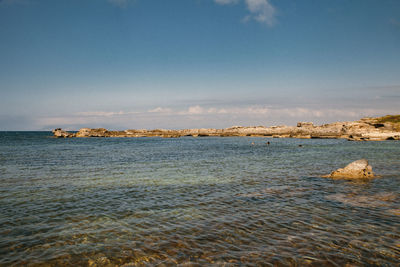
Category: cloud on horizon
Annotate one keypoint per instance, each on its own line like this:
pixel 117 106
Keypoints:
pixel 214 112
pixel 198 116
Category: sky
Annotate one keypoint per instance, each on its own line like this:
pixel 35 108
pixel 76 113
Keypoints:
pixel 133 64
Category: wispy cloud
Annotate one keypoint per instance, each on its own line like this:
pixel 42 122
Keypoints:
pixel 198 116
pixel 261 11
pixel 160 110
pixel 103 113
pixel 295 112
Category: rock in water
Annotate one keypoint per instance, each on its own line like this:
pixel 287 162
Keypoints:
pixel 355 170
pixel 60 133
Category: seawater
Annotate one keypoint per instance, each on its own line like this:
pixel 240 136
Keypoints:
pixel 195 201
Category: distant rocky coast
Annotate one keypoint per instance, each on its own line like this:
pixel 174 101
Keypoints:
pixel 366 129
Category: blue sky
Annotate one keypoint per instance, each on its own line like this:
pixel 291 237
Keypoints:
pixel 196 63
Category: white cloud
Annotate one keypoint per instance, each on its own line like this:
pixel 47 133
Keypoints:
pixel 160 110
pixel 205 117
pixel 261 11
pixel 263 111
pixel 103 113
pixel 196 110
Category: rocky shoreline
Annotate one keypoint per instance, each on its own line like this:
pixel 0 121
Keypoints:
pixel 366 129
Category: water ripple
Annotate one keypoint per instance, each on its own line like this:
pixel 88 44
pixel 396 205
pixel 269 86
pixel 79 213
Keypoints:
pixel 195 202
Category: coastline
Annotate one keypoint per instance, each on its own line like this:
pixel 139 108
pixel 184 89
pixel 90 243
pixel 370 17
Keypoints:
pixel 365 129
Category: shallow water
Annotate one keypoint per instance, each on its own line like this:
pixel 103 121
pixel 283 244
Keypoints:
pixel 204 201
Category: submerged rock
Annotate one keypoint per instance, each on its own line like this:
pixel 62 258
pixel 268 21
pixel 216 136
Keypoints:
pixel 395 212
pixel 365 201
pixel 355 170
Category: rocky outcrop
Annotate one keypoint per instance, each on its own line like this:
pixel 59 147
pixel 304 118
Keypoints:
pixel 355 170
pixel 87 132
pixel 366 129
pixel 60 133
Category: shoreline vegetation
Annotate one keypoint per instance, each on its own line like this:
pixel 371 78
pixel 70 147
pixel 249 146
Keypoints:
pixel 365 129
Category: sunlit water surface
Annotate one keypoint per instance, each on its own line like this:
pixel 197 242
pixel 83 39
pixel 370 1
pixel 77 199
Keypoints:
pixel 195 201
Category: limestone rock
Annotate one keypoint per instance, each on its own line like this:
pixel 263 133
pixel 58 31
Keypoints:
pixel 87 132
pixel 355 170
pixel 305 124
pixel 367 129
pixel 84 132
pixel 60 133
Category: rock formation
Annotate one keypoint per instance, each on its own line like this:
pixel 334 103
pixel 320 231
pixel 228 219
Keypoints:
pixel 366 129
pixel 62 134
pixel 355 170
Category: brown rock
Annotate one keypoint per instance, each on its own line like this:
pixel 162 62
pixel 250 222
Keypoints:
pixel 60 133
pixel 355 170
pixel 367 129
pixel 87 132
pixel 305 124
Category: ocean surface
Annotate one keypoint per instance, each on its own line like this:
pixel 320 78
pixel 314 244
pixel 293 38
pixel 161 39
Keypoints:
pixel 195 201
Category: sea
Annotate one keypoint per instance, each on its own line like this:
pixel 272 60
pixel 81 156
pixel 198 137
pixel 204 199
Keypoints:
pixel 206 201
